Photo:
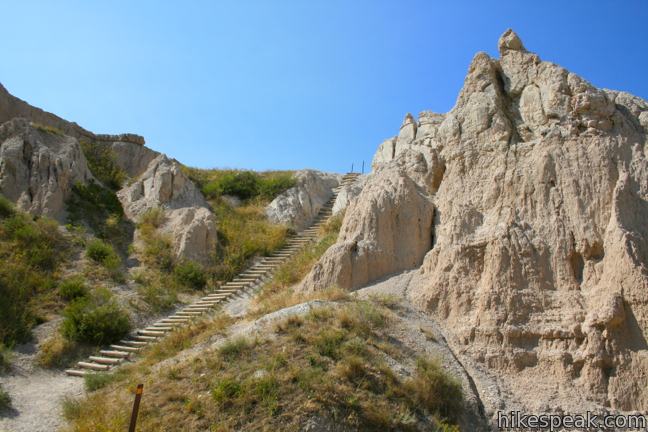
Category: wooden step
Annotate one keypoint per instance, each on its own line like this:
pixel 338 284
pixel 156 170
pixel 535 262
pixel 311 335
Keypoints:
pixel 189 314
pixel 93 366
pixel 175 320
pixel 153 333
pixel 124 348
pixel 104 360
pixel 133 343
pixel 143 338
pixel 196 309
pixel 161 328
pixel 76 372
pixel 118 354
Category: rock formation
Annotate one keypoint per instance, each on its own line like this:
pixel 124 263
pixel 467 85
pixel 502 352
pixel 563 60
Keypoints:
pixel 524 210
pixel 297 206
pixel 348 193
pixel 187 217
pixel 38 168
pixel 41 159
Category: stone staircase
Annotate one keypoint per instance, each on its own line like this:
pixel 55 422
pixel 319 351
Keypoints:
pixel 252 278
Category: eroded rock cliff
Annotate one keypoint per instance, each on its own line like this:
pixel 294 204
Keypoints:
pixel 524 210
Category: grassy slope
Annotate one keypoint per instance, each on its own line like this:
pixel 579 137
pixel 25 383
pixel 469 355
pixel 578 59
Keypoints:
pixel 330 364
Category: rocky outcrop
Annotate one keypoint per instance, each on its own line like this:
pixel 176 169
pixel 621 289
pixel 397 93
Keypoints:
pixel 12 107
pixel 297 206
pixel 41 159
pixel 38 168
pixel 538 268
pixel 187 217
pixel 348 192
pixel 387 228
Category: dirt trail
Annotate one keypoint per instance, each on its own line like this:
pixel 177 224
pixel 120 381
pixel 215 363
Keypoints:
pixel 36 393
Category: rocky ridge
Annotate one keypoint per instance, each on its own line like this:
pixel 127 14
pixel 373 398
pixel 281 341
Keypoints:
pixel 41 159
pixel 521 212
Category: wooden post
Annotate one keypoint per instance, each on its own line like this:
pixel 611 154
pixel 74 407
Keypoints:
pixel 351 167
pixel 136 404
pixel 362 167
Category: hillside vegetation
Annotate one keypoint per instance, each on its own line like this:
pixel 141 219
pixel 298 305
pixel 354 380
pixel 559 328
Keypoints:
pixel 330 365
pixel 243 228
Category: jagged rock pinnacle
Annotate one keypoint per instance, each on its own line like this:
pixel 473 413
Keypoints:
pixel 509 41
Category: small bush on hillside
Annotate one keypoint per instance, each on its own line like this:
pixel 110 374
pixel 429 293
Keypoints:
pixel 103 253
pixel 190 275
pixel 102 163
pixel 98 208
pixel 73 288
pixel 97 320
pixel 6 207
pixel 272 186
pixel 248 184
pixel 5 359
pixel 30 253
pixel 5 400
pixel 153 217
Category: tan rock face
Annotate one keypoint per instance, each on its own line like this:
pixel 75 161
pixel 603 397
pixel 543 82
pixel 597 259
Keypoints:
pixel 388 228
pixel 538 267
pixel 297 206
pixel 38 169
pixel 188 219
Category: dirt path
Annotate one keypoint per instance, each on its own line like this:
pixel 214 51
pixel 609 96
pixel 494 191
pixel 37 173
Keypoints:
pixel 36 393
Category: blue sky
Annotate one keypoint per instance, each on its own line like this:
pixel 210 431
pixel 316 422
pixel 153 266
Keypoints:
pixel 289 84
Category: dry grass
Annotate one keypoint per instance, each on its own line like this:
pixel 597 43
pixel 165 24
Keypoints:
pixel 279 293
pixel 301 372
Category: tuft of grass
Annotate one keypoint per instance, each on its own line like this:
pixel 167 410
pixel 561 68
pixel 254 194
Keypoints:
pixel 102 162
pixel 48 129
pixel 5 400
pixel 6 207
pixel 71 408
pixel 434 389
pixel 5 359
pixel 190 274
pixel 96 381
pixel 73 288
pixel 234 348
pixel 103 253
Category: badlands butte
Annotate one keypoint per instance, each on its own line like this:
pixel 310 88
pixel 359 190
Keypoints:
pixel 495 259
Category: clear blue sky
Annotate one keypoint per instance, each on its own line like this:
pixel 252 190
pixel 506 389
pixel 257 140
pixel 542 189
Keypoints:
pixel 289 84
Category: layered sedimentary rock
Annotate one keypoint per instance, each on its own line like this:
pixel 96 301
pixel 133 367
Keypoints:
pixel 187 217
pixel 38 168
pixel 537 264
pixel 297 206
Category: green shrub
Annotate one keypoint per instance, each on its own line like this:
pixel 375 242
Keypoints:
pixel 225 389
pixel 103 253
pixel 102 163
pixel 95 381
pixel 73 288
pixel 190 274
pixel 271 186
pixel 6 207
pixel 30 253
pixel 5 400
pixel 97 320
pixel 5 359
pixel 98 208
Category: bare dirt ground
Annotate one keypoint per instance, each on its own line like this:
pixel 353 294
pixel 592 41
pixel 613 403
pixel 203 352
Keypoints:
pixel 36 393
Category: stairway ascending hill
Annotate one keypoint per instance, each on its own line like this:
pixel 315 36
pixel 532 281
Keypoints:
pixel 253 277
